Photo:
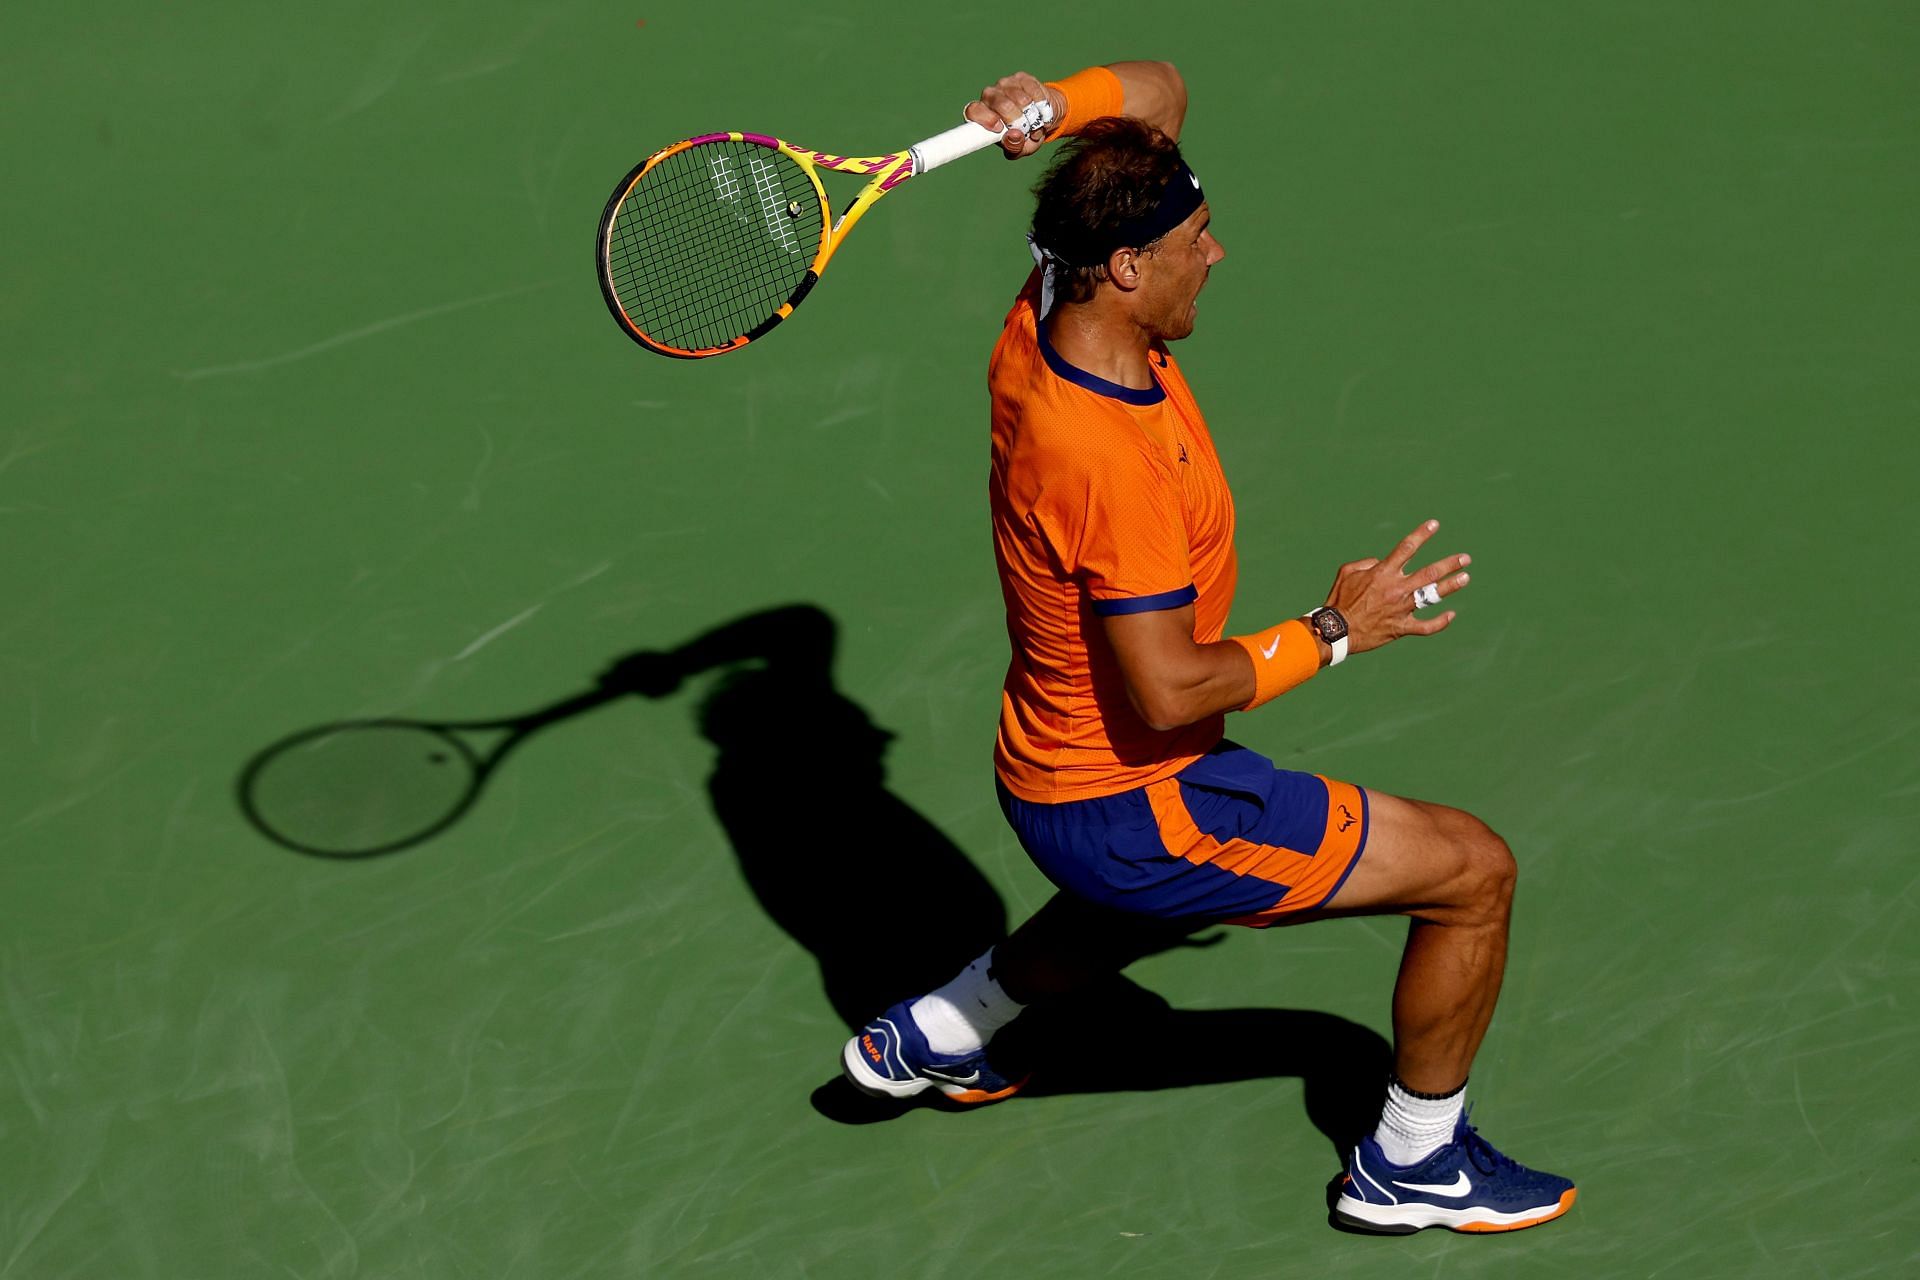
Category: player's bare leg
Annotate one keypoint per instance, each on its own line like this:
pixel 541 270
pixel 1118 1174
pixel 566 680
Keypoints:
pixel 1455 877
pixel 1425 1166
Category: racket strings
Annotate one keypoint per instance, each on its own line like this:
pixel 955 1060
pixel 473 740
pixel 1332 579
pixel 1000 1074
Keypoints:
pixel 711 241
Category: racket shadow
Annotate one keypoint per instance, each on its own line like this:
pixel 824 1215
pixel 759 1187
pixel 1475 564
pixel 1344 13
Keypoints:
pixel 369 787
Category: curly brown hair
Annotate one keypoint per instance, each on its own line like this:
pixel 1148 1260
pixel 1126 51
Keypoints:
pixel 1111 171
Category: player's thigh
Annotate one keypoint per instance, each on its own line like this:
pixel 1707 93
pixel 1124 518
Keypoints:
pixel 1427 860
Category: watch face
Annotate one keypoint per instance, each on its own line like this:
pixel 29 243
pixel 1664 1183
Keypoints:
pixel 1329 624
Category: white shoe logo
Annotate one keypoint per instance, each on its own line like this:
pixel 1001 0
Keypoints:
pixel 972 1077
pixel 1460 1186
pixel 1268 650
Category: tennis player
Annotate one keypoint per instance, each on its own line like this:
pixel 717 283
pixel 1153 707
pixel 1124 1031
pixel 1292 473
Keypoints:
pixel 1113 530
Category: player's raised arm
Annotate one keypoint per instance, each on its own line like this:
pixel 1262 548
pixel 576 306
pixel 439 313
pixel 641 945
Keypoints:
pixel 1149 91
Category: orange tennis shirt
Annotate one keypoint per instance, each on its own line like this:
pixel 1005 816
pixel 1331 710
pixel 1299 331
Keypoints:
pixel 1105 500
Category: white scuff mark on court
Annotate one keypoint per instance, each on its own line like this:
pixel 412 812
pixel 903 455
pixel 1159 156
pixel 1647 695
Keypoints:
pixel 478 69
pixel 472 501
pixel 490 636
pixel 877 487
pixel 389 60
pixel 355 335
pixel 589 575
pixel 76 1161
pixel 1808 775
pixel 1470 228
pixel 515 50
pixel 1800 1101
pixel 1346 394
pixel 847 414
pixel 497 632
pixel 169 838
pixel 18 449
pixel 539 191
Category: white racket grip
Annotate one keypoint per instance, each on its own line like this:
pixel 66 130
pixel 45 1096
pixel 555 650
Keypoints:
pixel 965 139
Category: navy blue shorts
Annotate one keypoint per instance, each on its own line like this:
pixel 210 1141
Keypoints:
pixel 1230 838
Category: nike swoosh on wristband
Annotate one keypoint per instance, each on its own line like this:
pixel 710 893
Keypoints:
pixel 1460 1186
pixel 1268 650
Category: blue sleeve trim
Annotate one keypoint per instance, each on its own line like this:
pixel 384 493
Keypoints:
pixel 1147 604
pixel 1094 382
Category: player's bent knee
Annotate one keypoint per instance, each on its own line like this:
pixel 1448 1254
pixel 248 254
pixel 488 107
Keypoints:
pixel 1493 869
pixel 1485 871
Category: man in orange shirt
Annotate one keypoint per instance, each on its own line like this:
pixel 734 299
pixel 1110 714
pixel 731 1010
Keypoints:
pixel 1113 530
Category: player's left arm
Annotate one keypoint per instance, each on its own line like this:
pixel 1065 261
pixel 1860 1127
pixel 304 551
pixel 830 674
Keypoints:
pixel 1172 680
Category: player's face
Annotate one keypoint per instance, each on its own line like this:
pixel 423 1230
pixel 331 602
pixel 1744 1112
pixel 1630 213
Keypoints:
pixel 1179 262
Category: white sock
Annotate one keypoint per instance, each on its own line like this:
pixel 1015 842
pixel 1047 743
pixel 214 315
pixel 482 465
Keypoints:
pixel 963 1015
pixel 1413 1127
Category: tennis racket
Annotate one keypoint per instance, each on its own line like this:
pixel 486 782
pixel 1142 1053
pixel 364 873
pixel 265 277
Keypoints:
pixel 365 787
pixel 711 242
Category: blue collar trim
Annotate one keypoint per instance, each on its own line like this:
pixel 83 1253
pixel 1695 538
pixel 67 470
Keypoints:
pixel 1093 382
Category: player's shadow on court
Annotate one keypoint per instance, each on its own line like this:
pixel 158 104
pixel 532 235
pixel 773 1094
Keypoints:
pixel 886 903
pixel 890 907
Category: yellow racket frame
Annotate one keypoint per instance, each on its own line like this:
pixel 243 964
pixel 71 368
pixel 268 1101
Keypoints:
pixel 884 174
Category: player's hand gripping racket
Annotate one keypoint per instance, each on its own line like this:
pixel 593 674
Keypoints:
pixel 713 241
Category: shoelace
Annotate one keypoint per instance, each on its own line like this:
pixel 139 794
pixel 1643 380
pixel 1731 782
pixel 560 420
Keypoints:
pixel 1483 1154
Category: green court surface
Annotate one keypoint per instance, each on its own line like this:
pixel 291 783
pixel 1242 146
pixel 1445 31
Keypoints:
pixel 312 413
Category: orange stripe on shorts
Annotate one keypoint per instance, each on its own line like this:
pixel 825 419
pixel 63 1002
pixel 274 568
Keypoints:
pixel 1307 878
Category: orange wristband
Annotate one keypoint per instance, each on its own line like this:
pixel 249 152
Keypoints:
pixel 1283 657
pixel 1090 94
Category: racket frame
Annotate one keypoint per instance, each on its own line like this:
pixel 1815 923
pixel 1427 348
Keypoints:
pixel 884 173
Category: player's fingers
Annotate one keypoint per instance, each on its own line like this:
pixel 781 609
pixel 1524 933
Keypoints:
pixel 1437 570
pixel 1430 626
pixel 1357 566
pixel 982 114
pixel 1410 544
pixel 1008 101
pixel 1425 597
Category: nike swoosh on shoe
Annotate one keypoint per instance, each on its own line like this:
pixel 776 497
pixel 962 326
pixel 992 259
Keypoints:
pixel 1460 1186
pixel 969 1079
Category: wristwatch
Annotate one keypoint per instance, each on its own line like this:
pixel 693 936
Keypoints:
pixel 1329 625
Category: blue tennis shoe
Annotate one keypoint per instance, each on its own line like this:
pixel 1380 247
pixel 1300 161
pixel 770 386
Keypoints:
pixel 1464 1186
pixel 890 1059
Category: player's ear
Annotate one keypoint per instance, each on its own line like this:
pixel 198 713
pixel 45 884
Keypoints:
pixel 1123 268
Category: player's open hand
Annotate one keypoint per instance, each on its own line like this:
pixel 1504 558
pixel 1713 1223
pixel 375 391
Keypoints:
pixel 1001 104
pixel 1377 597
